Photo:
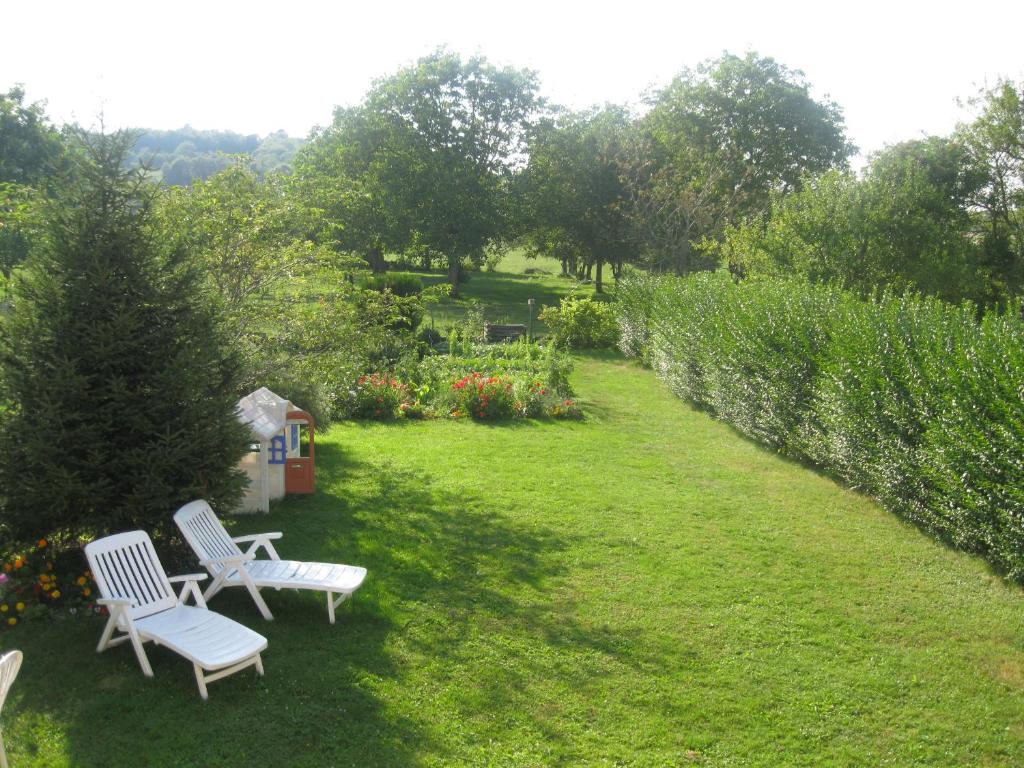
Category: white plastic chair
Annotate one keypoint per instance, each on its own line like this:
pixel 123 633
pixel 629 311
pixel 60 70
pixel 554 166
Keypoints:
pixel 143 607
pixel 10 663
pixel 220 554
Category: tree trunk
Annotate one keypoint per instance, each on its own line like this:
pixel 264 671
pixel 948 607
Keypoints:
pixel 375 258
pixel 454 272
pixel 598 285
pixel 590 270
pixel 565 266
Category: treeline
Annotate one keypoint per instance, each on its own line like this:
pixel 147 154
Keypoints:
pixel 733 163
pixel 448 158
pixel 942 216
pixel 182 156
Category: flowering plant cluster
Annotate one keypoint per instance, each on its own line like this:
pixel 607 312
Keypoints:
pixel 379 396
pixel 34 582
pixel 484 397
pixel 565 409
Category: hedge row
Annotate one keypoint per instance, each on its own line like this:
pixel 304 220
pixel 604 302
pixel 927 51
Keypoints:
pixel 918 402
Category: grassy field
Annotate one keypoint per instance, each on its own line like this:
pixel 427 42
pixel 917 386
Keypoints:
pixel 504 291
pixel 641 588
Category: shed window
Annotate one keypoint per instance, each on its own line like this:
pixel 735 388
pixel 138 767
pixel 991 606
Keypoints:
pixel 277 450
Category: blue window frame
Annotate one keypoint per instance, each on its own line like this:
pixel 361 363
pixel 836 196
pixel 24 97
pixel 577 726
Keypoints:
pixel 277 450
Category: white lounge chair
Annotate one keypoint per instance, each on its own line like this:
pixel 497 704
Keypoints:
pixel 10 663
pixel 143 606
pixel 231 567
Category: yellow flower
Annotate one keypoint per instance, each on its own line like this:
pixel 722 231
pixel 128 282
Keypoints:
pixel 19 606
pixel 12 621
pixel 86 591
pixel 4 608
pixel 55 594
pixel 81 581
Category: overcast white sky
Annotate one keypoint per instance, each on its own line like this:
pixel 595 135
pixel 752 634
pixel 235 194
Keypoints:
pixel 896 68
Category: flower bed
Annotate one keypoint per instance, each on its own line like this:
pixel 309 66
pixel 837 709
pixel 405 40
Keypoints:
pixel 39 581
pixel 484 382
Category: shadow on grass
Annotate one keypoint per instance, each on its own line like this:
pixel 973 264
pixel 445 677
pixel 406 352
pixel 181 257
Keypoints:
pixel 445 575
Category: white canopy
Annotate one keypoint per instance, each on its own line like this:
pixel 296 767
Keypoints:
pixel 264 413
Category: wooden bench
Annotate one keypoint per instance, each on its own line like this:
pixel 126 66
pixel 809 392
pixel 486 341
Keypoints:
pixel 496 332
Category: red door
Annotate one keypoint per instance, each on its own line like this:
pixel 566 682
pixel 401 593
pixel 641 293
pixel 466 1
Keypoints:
pixel 300 465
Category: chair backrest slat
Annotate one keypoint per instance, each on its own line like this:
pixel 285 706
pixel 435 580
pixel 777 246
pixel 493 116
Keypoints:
pixel 126 567
pixel 204 532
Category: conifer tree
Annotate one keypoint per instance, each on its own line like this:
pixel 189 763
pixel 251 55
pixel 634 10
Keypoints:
pixel 118 392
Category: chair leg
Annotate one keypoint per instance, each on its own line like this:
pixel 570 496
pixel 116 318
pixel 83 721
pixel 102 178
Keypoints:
pixel 332 603
pixel 257 597
pixel 259 664
pixel 216 586
pixel 108 632
pixel 201 682
pixel 140 653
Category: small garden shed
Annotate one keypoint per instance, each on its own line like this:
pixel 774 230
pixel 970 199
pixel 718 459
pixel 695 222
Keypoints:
pixel 282 459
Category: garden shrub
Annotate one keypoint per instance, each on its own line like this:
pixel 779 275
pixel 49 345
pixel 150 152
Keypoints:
pixel 378 396
pixel 581 323
pixel 399 283
pixel 915 401
pixel 482 397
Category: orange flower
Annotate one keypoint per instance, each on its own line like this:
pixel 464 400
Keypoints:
pixel 42 543
pixel 86 591
pixel 7 567
pixel 81 581
pixel 18 562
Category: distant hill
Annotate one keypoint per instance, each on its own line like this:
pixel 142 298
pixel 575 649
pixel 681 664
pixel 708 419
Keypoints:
pixel 180 156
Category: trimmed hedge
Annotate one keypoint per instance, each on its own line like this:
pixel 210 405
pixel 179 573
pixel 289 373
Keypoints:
pixel 913 400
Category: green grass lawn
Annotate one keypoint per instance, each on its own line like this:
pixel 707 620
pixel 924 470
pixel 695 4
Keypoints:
pixel 642 588
pixel 504 291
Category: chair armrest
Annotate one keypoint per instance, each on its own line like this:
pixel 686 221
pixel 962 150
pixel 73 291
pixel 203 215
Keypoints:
pixel 188 577
pixel 114 602
pixel 260 540
pixel 225 560
pixel 256 536
pixel 191 587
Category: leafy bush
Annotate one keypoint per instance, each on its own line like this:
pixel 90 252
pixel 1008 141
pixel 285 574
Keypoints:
pixel 581 323
pixel 911 399
pixel 487 398
pixel 399 283
pixel 378 396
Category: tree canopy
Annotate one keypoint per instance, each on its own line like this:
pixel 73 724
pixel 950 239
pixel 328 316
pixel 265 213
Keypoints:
pixel 425 162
